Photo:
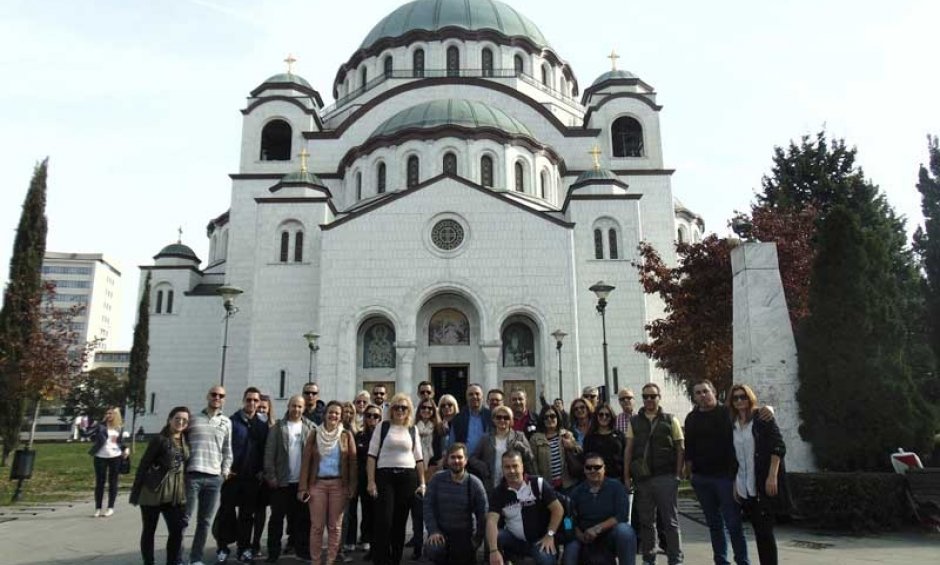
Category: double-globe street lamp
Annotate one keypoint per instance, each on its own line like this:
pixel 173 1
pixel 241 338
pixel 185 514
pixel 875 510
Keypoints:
pixel 559 336
pixel 311 338
pixel 602 290
pixel 228 294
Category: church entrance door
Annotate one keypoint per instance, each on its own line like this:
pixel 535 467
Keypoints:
pixel 450 379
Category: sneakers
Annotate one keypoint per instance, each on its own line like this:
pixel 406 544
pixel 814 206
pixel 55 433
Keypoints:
pixel 246 557
pixel 109 513
pixel 365 546
pixel 97 513
pixel 344 557
pixel 221 556
pixel 349 547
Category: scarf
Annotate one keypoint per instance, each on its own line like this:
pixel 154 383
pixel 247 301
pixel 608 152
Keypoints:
pixel 326 441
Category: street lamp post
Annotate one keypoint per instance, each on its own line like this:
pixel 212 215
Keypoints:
pixel 602 290
pixel 311 338
pixel 228 294
pixel 559 336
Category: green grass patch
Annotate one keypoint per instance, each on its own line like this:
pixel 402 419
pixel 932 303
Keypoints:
pixel 63 472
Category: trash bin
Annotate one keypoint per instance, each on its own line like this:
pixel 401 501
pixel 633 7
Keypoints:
pixel 23 460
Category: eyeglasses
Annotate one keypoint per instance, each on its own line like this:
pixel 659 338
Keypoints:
pixel 503 417
pixel 372 416
pixel 361 401
pixel 431 408
pixel 625 398
pixel 217 394
pixel 425 392
pixel 400 407
pixel 604 415
pixel 650 396
pixel 738 397
pixel 447 405
pixel 311 392
pixel 593 467
pixel 550 417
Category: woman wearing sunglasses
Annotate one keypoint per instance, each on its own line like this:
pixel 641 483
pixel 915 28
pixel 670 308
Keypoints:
pixel 429 427
pixel 160 486
pixel 487 460
pixel 555 451
pixel 760 484
pixel 395 473
pixel 448 409
pixel 581 418
pixel 371 417
pixel 606 440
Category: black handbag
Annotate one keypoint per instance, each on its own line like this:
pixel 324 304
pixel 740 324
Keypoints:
pixel 124 467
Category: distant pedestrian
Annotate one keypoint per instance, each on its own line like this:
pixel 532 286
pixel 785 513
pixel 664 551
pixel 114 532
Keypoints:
pixel 160 487
pixel 108 450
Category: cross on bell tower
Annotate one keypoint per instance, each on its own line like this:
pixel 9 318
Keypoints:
pixel 613 59
pixel 179 234
pixel 596 153
pixel 290 60
pixel 303 159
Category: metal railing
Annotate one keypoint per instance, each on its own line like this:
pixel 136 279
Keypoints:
pixel 444 73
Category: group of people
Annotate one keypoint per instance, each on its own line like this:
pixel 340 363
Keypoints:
pixel 548 485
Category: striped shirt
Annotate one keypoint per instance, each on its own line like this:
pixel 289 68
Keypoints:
pixel 210 443
pixel 555 451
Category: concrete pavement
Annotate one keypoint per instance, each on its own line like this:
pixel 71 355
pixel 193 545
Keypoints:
pixel 66 533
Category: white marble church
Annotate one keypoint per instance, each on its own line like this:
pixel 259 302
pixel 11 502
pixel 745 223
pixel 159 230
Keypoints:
pixel 440 220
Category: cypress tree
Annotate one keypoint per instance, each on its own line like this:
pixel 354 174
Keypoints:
pixel 927 246
pixel 19 316
pixel 140 358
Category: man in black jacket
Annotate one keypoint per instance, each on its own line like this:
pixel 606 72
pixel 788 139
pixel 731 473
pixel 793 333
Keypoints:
pixel 235 518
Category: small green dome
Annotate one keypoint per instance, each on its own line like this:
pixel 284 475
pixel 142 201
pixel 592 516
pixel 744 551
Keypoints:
pixel 177 250
pixel 596 175
pixel 454 112
pixel 288 78
pixel 614 75
pixel 472 15
pixel 305 177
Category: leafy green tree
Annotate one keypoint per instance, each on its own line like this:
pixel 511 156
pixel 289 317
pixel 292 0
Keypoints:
pixel 927 247
pixel 19 317
pixel 140 358
pixel 92 393
pixel 857 399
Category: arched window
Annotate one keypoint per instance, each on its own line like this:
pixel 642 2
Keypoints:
pixel 276 141
pixel 627 137
pixel 285 246
pixel 487 62
pixel 387 66
pixel 610 228
pixel 681 235
pixel 417 63
pixel 169 302
pixel 299 247
pixel 450 163
pixel 486 171
pixel 544 75
pixel 519 177
pixel 414 171
pixel 564 86
pixel 378 345
pixel 358 186
pixel 543 183
pixel 380 179
pixel 363 77
pixel 518 346
pixel 158 308
pixel 598 244
pixel 518 64
pixel 453 61
pixel 612 242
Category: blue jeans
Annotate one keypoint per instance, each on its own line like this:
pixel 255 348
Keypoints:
pixel 512 547
pixel 716 496
pixel 621 540
pixel 203 489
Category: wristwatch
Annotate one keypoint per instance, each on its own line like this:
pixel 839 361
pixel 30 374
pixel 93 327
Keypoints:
pixel 550 533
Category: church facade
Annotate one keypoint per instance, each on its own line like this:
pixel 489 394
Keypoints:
pixel 439 221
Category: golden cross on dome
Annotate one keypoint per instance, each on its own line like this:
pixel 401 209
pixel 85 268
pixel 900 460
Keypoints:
pixel 179 233
pixel 290 60
pixel 596 153
pixel 613 59
pixel 303 160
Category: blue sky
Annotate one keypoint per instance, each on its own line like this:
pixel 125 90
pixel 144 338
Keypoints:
pixel 136 102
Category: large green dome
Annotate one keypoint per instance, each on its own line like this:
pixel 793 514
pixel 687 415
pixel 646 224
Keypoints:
pixel 452 112
pixel 473 15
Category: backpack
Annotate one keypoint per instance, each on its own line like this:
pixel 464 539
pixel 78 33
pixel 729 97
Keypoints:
pixel 384 432
pixel 565 533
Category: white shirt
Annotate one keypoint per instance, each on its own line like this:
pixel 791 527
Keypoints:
pixel 512 513
pixel 498 464
pixel 295 450
pixel 397 451
pixel 746 481
pixel 110 449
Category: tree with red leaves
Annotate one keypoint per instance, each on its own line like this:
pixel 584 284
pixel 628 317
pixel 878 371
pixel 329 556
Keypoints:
pixel 694 340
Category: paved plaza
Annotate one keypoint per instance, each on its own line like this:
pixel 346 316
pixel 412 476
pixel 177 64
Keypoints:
pixel 66 533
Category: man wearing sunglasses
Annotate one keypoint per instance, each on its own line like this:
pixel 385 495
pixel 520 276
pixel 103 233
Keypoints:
pixel 653 462
pixel 314 408
pixel 235 518
pixel 210 463
pixel 602 511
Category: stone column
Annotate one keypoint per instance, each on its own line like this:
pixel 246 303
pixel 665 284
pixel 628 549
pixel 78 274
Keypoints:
pixel 764 348
pixel 490 352
pixel 406 365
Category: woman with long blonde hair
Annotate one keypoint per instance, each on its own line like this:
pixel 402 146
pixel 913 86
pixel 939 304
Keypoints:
pixel 108 450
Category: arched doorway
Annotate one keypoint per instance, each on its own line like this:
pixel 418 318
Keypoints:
pixel 448 353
